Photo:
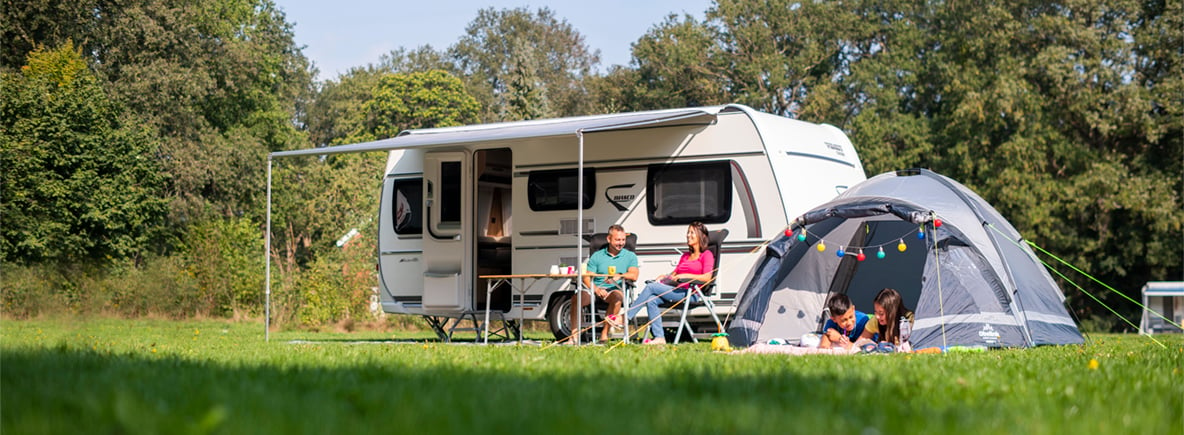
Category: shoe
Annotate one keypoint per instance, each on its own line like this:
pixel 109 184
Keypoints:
pixel 657 340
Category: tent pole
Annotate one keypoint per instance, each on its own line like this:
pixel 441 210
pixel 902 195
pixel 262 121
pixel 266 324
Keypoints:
pixel 267 261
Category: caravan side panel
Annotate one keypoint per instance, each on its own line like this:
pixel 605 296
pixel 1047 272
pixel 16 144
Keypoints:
pixel 400 256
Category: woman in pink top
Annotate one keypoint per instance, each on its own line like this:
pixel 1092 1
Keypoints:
pixel 696 265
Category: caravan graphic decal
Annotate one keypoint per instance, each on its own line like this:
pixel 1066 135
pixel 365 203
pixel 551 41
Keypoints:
pixel 620 196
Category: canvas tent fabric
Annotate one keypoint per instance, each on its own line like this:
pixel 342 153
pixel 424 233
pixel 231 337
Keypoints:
pixel 971 281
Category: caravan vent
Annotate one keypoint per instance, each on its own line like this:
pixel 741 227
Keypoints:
pixel 568 226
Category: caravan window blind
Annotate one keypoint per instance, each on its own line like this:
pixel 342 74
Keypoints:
pixel 556 190
pixel 678 194
pixel 408 206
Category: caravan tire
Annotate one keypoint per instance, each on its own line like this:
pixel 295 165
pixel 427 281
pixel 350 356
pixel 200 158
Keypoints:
pixel 558 313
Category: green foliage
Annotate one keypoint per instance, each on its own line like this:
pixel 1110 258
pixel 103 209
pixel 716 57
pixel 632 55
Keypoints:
pixel 498 45
pixel 416 100
pixel 81 183
pixel 219 376
pixel 224 258
pixel 1065 116
pixel 157 286
pixel 219 81
pixel 674 67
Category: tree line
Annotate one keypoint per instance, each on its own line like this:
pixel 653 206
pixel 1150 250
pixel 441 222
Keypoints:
pixel 134 134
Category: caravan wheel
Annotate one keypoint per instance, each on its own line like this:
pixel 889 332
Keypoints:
pixel 559 317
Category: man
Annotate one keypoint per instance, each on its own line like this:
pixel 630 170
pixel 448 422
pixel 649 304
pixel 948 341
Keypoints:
pixel 615 258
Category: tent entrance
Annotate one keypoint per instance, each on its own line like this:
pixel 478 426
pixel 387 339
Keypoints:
pixel 903 271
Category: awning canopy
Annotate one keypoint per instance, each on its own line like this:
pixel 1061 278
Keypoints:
pixel 1164 288
pixel 439 137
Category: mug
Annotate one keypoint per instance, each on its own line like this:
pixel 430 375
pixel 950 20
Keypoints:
pixel 612 270
pixel 554 269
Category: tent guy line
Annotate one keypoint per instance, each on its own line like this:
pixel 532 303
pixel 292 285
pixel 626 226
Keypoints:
pixel 1082 289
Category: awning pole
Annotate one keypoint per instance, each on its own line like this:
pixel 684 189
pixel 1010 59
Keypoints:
pixel 267 261
pixel 580 242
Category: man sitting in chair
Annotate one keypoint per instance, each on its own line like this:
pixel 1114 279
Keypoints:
pixel 613 259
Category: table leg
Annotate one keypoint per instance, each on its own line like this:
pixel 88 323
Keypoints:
pixel 489 284
pixel 521 311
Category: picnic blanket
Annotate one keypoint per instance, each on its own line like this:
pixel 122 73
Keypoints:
pixel 797 350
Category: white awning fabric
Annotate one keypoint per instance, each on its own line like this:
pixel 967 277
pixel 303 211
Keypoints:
pixel 438 137
pixel 1164 288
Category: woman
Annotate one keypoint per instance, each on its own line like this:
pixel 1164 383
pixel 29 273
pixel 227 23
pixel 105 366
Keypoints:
pixel 889 309
pixel 696 265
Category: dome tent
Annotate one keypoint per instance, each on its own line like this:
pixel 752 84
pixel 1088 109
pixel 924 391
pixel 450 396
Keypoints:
pixel 970 280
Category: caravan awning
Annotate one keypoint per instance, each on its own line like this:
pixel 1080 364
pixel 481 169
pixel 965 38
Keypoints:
pixel 437 137
pixel 1164 288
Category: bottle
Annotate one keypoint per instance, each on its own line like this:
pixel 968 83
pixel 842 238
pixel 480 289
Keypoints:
pixel 906 329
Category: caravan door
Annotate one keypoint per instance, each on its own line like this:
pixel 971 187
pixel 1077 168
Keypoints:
pixel 447 195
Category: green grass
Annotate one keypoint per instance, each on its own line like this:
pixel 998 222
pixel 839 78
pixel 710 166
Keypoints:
pixel 156 376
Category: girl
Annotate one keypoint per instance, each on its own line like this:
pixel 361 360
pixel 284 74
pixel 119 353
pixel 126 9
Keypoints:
pixel 888 309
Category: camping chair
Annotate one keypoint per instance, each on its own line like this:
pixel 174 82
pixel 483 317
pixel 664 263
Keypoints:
pixel 597 310
pixel 699 291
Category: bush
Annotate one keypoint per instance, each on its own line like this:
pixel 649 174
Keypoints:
pixel 224 259
pixel 26 291
pixel 337 285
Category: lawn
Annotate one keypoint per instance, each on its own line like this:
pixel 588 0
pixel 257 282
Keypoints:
pixel 158 376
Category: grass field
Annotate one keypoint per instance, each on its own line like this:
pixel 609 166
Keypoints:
pixel 157 376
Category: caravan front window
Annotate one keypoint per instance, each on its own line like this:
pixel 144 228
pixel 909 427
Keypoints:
pixel 408 206
pixel 556 190
pixel 678 194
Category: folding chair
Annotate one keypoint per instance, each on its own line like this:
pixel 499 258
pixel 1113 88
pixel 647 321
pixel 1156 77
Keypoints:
pixel 699 291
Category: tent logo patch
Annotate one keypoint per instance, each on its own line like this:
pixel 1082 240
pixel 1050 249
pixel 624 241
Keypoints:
pixel 989 334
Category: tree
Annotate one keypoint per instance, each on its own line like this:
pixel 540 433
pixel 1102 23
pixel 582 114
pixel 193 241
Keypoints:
pixel 674 67
pixel 774 52
pixel 338 112
pixel 318 200
pixel 498 40
pixel 221 80
pixel 416 100
pixel 81 180
pixel 1053 117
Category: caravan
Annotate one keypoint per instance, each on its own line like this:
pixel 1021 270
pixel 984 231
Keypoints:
pixel 459 203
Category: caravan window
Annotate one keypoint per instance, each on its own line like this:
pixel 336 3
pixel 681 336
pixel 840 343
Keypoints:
pixel 450 179
pixel 679 194
pixel 408 206
pixel 556 190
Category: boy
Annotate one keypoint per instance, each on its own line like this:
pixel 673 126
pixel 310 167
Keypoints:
pixel 845 325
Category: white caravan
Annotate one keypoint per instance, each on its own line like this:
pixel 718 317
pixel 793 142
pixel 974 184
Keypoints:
pixel 499 199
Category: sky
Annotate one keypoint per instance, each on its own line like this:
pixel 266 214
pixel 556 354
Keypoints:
pixel 338 35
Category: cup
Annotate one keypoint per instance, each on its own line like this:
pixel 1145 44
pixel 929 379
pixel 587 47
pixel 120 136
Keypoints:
pixel 569 270
pixel 612 270
pixel 554 269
